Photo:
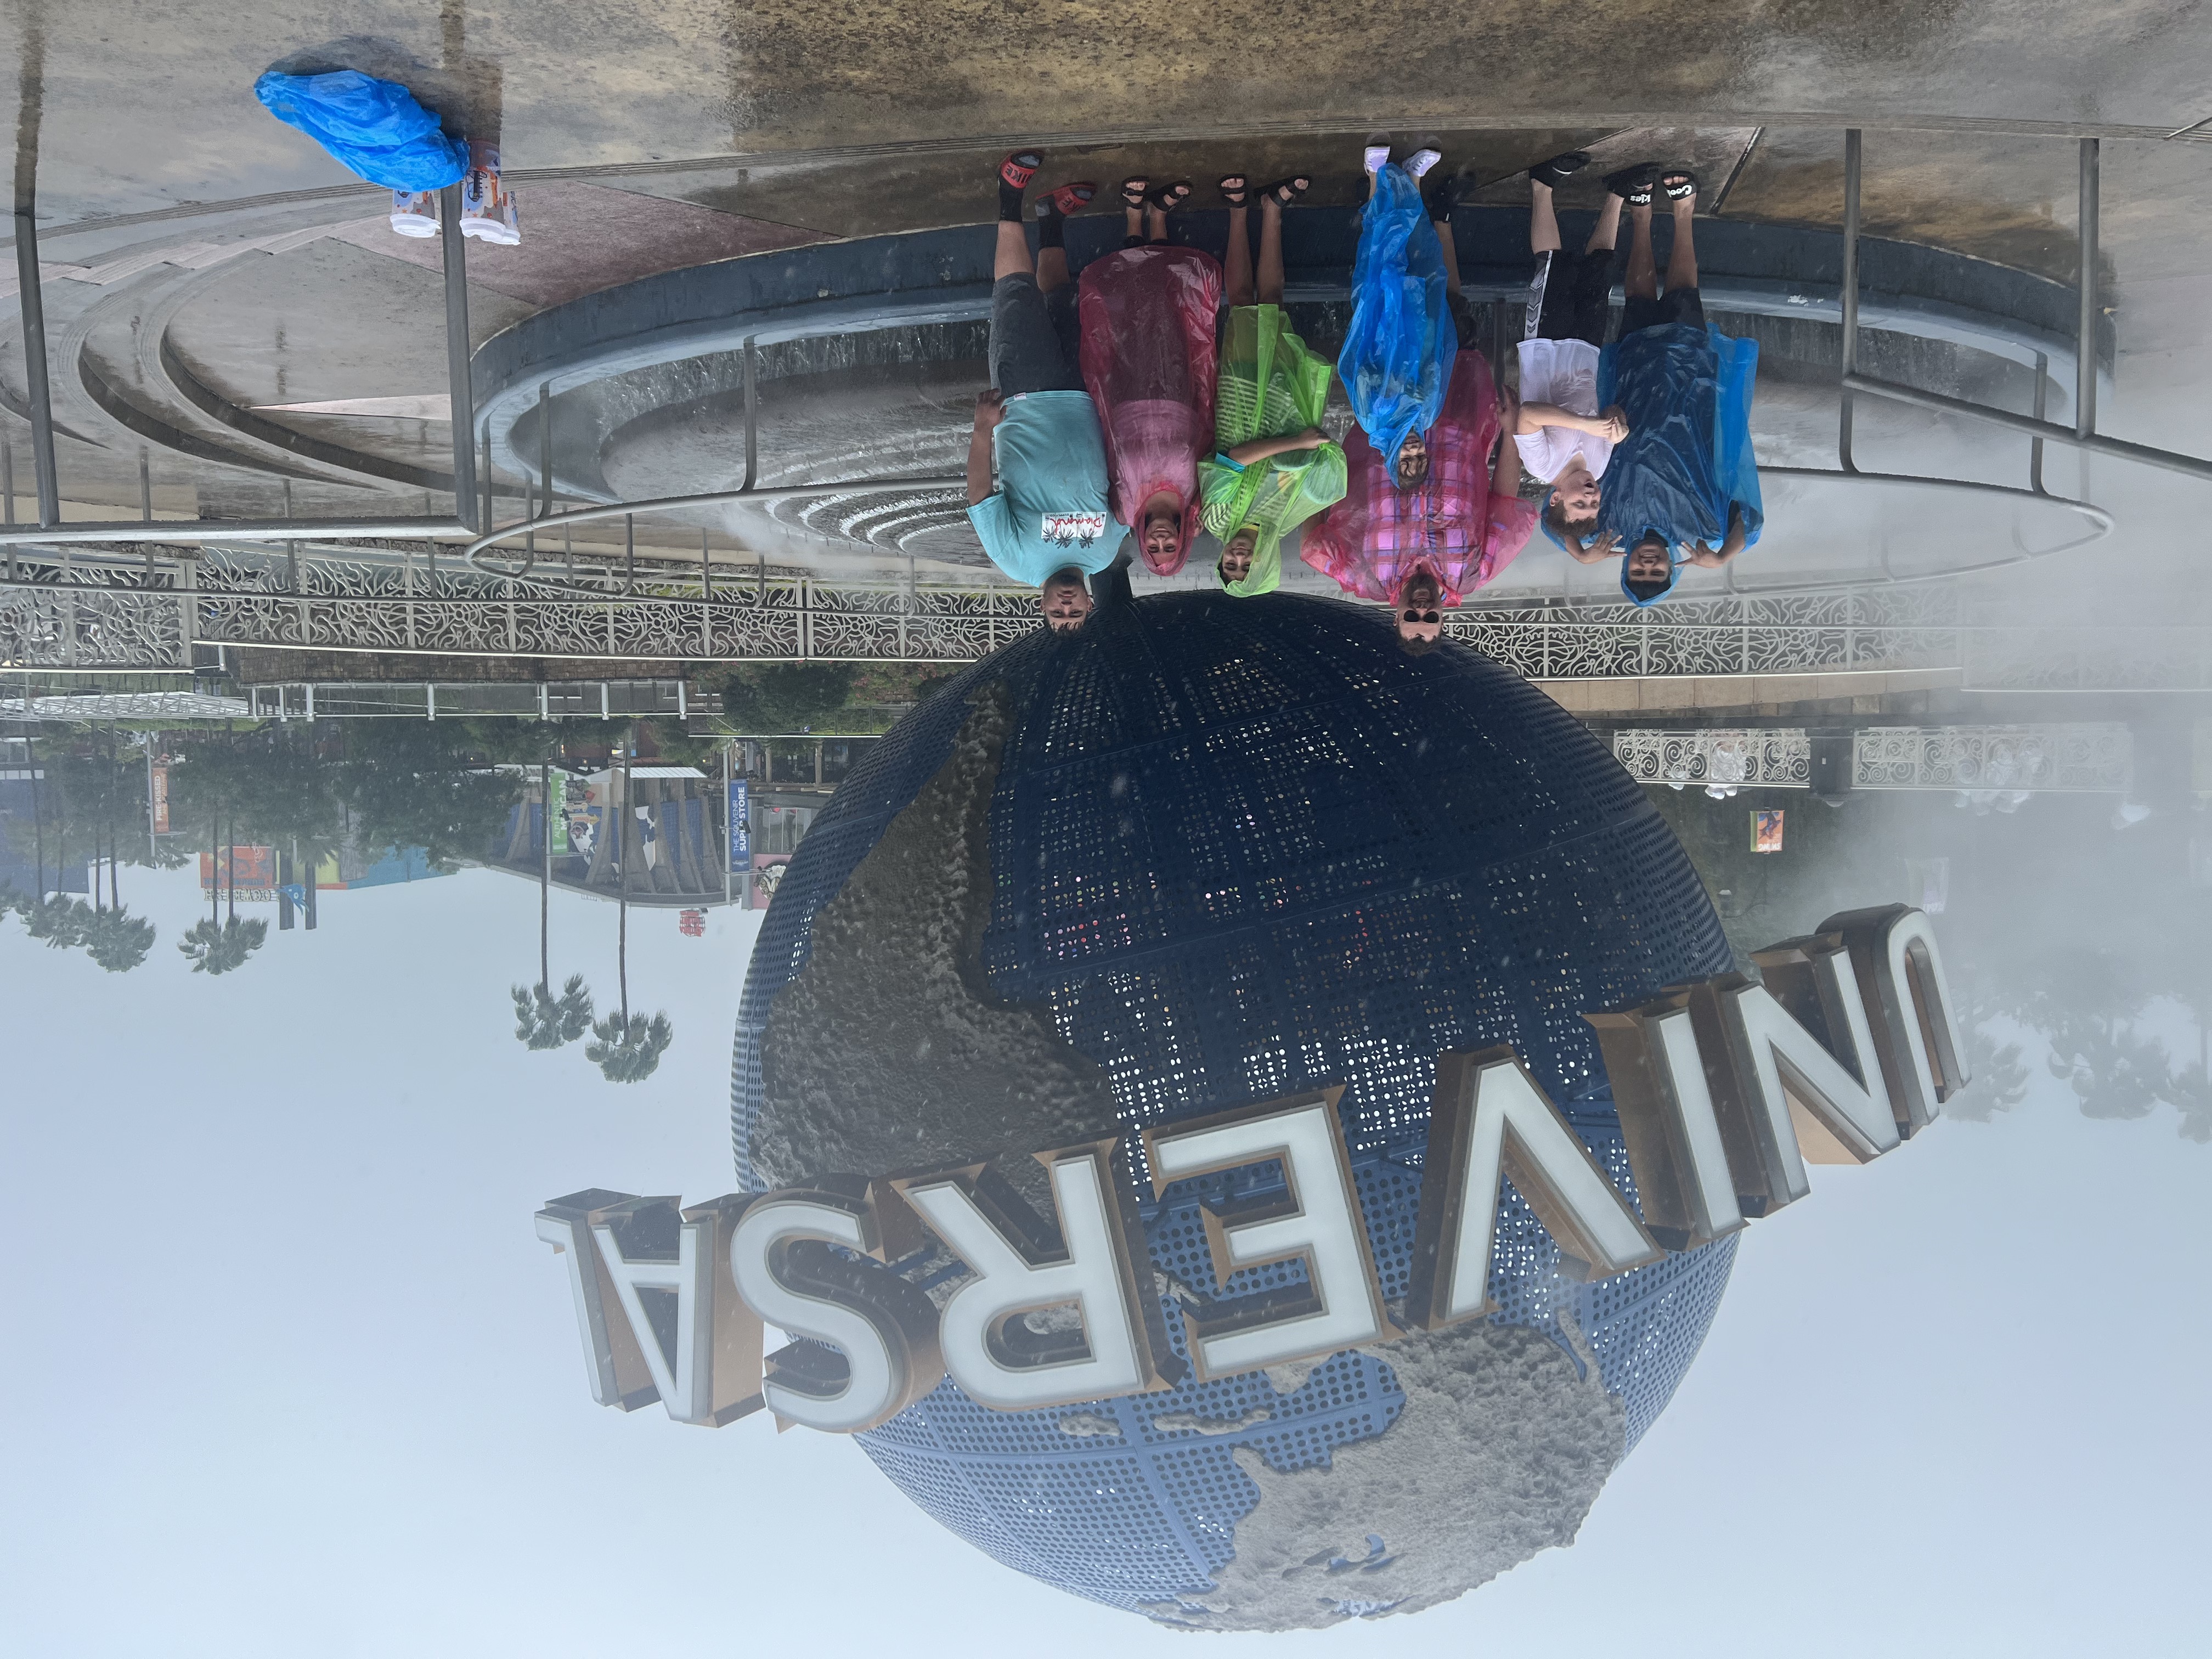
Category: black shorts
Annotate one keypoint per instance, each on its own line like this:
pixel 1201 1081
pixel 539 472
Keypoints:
pixel 1033 337
pixel 1571 298
pixel 1676 305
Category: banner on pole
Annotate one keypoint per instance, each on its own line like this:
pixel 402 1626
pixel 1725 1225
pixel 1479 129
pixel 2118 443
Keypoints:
pixel 556 811
pixel 741 833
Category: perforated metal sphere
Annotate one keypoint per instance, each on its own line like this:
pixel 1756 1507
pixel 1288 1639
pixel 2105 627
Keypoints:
pixel 1208 852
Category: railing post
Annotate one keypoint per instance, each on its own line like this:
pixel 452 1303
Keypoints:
pixel 752 414
pixel 2085 333
pixel 1850 293
pixel 2035 445
pixel 31 303
pixel 459 387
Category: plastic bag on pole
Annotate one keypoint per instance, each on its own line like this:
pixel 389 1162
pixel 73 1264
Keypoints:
pixel 374 127
pixel 1397 357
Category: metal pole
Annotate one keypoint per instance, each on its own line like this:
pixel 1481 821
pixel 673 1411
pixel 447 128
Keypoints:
pixel 1850 284
pixel 458 381
pixel 2035 446
pixel 544 455
pixel 31 302
pixel 752 414
pixel 489 518
pixel 2085 330
pixel 146 491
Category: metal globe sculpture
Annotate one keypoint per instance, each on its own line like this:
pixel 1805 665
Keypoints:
pixel 1206 852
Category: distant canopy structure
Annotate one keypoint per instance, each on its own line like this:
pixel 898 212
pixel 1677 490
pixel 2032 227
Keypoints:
pixel 374 127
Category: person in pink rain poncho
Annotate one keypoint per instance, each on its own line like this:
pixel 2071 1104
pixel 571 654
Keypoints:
pixel 1149 361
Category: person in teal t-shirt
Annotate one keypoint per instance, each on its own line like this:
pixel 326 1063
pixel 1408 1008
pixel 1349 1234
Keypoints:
pixel 1048 514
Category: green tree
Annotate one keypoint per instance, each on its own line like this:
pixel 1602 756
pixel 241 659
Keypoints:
pixel 409 783
pixel 628 1048
pixel 214 947
pixel 767 698
pixel 118 941
pixel 542 1020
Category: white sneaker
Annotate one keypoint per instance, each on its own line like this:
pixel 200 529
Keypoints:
pixel 1376 157
pixel 1421 160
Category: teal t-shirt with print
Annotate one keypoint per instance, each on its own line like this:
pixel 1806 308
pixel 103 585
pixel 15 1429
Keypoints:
pixel 1050 510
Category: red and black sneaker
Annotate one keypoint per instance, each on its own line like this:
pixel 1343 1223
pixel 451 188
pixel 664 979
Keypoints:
pixel 1018 168
pixel 1070 198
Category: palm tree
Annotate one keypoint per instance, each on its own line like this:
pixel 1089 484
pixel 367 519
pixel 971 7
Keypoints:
pixel 61 921
pixel 119 941
pixel 2114 1071
pixel 629 1047
pixel 217 947
pixel 542 1020
pixel 201 942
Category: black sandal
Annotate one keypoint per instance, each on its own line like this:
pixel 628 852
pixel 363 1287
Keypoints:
pixel 1557 171
pixel 1680 184
pixel 1298 185
pixel 1168 197
pixel 1633 183
pixel 1241 196
pixel 1136 192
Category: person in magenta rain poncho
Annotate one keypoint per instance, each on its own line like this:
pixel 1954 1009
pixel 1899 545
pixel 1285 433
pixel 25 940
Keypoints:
pixel 1150 361
pixel 1431 510
pixel 1682 487
pixel 1044 522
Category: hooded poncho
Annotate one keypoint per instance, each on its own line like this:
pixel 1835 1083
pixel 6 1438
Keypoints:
pixel 1271 387
pixel 1149 361
pixel 1687 461
pixel 1397 357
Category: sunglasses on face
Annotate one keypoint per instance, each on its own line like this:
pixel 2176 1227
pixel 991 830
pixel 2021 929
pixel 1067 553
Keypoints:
pixel 1423 616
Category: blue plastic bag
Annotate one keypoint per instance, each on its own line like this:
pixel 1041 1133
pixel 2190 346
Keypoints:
pixel 1686 463
pixel 1397 357
pixel 374 127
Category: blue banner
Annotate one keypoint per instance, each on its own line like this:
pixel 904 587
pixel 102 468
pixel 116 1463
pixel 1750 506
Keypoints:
pixel 741 834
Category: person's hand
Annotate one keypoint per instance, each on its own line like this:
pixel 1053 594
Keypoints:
pixel 1312 438
pixel 1509 408
pixel 990 408
pixel 1612 425
pixel 1606 545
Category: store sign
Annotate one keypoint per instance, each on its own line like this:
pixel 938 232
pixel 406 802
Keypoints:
pixel 741 828
pixel 1726 1089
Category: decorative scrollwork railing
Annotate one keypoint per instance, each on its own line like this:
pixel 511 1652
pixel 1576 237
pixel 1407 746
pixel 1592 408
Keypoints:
pixel 1776 758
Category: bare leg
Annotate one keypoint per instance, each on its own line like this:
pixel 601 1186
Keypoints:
pixel 1052 268
pixel 1449 244
pixel 1270 252
pixel 1239 264
pixel 1011 257
pixel 1607 230
pixel 1682 258
pixel 1156 217
pixel 1642 281
pixel 1543 223
pixel 1135 221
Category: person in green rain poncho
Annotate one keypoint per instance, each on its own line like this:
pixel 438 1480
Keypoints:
pixel 1275 467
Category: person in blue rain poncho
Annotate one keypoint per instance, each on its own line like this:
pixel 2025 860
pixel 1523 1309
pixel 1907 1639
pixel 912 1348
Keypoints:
pixel 1682 487
pixel 1396 364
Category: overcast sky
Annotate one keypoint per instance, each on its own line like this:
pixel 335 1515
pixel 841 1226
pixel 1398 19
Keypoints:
pixel 294 1377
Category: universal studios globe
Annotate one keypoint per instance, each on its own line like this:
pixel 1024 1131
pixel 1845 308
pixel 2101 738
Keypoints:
pixel 1207 853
